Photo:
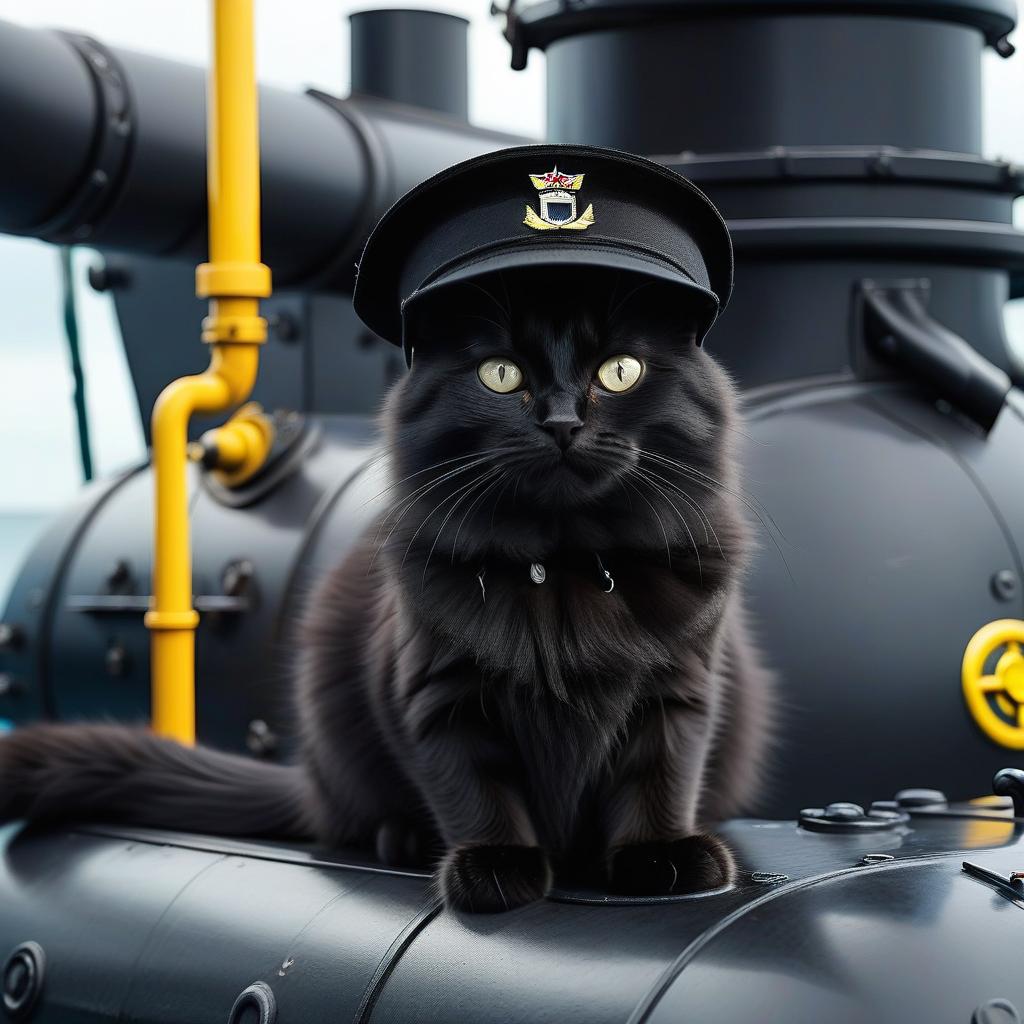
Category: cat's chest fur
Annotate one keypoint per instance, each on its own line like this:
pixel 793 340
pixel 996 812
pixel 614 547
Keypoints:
pixel 561 667
pixel 584 627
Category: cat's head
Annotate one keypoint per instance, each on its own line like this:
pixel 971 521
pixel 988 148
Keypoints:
pixel 567 389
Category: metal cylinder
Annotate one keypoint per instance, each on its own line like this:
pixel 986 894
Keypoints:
pixel 705 76
pixel 740 83
pixel 49 114
pixel 426 59
pixel 329 167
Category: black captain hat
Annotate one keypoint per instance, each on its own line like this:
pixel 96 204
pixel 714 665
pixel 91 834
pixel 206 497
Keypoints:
pixel 544 206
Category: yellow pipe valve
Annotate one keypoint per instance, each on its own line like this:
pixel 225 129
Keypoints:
pixel 994 693
pixel 237 451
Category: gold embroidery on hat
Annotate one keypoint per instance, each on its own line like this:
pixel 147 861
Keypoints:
pixel 558 203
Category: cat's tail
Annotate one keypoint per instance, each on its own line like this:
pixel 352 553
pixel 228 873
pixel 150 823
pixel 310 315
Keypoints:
pixel 121 774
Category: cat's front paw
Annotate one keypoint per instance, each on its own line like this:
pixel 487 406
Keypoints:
pixel 492 879
pixel 668 868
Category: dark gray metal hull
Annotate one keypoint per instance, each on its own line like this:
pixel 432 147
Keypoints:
pixel 155 927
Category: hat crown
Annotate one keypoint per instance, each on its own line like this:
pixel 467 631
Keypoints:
pixel 498 212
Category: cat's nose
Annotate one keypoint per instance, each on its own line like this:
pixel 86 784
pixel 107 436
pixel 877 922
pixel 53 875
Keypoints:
pixel 563 428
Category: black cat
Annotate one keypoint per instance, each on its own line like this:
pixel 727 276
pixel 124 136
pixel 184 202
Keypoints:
pixel 536 660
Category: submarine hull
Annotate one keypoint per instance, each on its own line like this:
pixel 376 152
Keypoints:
pixel 160 928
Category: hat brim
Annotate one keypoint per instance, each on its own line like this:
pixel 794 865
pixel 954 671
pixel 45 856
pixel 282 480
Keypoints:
pixel 521 256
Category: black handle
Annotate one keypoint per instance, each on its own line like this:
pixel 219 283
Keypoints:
pixel 899 330
pixel 1010 782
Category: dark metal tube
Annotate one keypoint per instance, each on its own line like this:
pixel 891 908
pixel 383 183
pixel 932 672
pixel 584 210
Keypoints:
pixel 741 83
pixel 426 59
pixel 329 167
pixel 49 111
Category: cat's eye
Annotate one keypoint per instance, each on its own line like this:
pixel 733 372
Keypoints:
pixel 500 375
pixel 620 373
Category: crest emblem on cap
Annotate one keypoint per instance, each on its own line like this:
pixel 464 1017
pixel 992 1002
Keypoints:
pixel 558 203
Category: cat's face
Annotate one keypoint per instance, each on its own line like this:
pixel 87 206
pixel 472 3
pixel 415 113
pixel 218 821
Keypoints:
pixel 567 390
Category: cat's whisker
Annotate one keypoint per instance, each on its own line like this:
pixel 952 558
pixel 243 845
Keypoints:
pixel 424 488
pixel 410 500
pixel 752 503
pixel 444 522
pixel 475 503
pixel 494 510
pixel 425 491
pixel 682 519
pixel 686 527
pixel 702 479
pixel 427 469
pixel 462 522
pixel 426 519
pixel 692 503
pixel 652 476
pixel 668 549
pixel 747 436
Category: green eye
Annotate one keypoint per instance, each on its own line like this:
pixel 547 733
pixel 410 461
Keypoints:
pixel 500 375
pixel 620 373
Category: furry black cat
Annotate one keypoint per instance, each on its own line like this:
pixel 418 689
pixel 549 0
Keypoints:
pixel 535 662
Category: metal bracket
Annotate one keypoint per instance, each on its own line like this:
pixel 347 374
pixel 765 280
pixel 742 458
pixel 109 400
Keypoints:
pixel 1009 886
pixel 238 580
pixel 899 330
pixel 119 604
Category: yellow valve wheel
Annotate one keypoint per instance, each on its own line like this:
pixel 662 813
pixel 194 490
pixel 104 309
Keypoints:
pixel 995 698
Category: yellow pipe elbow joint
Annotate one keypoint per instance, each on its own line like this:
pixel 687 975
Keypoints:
pixel 237 451
pixel 228 380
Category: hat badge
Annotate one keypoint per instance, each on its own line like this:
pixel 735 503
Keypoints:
pixel 558 203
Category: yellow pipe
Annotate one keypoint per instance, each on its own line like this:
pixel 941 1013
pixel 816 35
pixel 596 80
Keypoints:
pixel 234 280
